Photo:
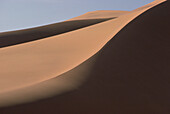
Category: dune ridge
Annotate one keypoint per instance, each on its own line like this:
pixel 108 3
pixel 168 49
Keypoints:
pixel 100 14
pixel 109 26
pixel 38 33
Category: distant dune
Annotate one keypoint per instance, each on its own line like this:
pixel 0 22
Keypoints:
pixel 130 74
pixel 32 34
pixel 100 14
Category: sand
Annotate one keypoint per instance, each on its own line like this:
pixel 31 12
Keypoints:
pixel 39 62
pixel 100 14
pixel 32 34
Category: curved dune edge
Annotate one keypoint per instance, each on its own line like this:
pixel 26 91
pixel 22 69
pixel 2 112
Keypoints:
pixel 66 82
pixel 38 33
pixel 132 15
pixel 99 15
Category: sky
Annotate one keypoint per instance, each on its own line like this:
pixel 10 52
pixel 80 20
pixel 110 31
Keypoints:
pixel 21 14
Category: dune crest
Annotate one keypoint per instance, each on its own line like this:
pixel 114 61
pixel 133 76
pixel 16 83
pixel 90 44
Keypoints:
pixel 100 14
pixel 32 63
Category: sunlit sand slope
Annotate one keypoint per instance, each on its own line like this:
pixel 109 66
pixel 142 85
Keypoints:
pixel 32 34
pixel 35 62
pixel 100 14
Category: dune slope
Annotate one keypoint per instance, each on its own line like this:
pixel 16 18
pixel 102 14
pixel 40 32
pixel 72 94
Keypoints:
pixel 102 72
pixel 32 34
pixel 100 14
pixel 131 74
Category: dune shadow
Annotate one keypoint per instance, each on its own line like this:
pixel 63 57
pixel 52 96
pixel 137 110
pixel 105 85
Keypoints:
pixel 130 74
pixel 32 34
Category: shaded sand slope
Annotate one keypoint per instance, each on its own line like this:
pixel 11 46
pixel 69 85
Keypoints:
pixel 27 35
pixel 18 80
pixel 33 62
pixel 66 82
pixel 29 63
pixel 131 74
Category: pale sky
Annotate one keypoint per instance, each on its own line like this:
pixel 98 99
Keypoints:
pixel 21 14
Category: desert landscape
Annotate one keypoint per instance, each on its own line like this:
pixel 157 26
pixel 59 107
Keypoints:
pixel 102 62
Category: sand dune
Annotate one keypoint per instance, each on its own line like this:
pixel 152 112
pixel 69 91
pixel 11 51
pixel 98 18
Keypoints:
pixel 16 37
pixel 100 14
pixel 44 59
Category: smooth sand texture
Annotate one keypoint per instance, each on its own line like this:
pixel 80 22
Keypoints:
pixel 66 82
pixel 32 34
pixel 100 14
pixel 71 49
